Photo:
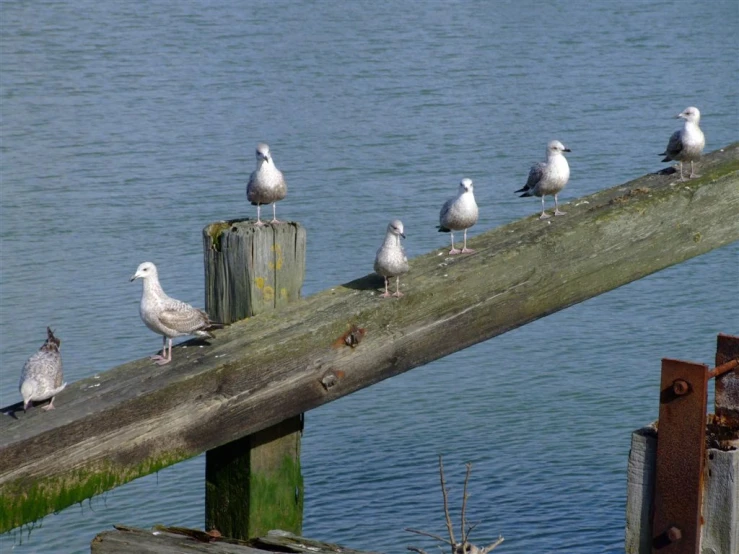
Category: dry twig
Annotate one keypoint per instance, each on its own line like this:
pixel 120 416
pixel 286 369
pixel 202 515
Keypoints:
pixel 464 547
pixel 446 503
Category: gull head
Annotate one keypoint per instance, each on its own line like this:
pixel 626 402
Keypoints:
pixel 465 185
pixel 691 114
pixel 263 152
pixel 144 271
pixel 396 228
pixel 28 389
pixel 52 343
pixel 556 147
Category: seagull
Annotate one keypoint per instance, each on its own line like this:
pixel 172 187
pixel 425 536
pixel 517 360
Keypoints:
pixel 266 184
pixel 686 145
pixel 166 316
pixel 548 178
pixel 459 212
pixel 41 377
pixel 391 260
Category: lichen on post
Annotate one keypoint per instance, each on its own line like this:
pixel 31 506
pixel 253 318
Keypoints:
pixel 254 484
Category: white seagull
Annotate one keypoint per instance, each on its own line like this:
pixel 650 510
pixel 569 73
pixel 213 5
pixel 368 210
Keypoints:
pixel 549 177
pixel 686 145
pixel 266 184
pixel 390 260
pixel 458 213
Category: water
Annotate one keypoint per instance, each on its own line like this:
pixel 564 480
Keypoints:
pixel 127 128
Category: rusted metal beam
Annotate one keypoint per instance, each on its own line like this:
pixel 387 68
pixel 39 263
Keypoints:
pixel 680 457
pixel 727 384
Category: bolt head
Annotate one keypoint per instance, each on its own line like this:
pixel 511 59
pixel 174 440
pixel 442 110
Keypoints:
pixel 680 387
pixel 674 534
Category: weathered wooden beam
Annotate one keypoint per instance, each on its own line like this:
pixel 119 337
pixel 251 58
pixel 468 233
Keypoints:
pixel 136 419
pixel 253 484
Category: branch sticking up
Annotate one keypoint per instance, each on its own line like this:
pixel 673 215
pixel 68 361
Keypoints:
pixel 464 547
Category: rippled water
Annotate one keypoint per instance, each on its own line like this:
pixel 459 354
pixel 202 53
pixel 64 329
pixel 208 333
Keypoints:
pixel 127 127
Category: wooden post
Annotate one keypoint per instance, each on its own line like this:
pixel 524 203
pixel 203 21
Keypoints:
pixel 254 484
pixel 640 490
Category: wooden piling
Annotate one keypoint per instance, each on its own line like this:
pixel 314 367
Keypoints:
pixel 253 484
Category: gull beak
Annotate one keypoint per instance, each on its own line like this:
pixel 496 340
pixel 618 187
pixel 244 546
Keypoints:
pixel 26 404
pixel 680 116
pixel 567 150
pixel 402 235
pixel 133 277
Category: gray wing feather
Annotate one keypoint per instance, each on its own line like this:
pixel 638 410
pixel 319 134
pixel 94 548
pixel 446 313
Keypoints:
pixel 182 317
pixel 674 147
pixel 445 210
pixel 535 175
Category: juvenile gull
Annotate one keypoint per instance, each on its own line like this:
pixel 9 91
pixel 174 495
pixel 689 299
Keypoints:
pixel 686 145
pixel 41 377
pixel 391 260
pixel 459 212
pixel 166 316
pixel 549 177
pixel 266 184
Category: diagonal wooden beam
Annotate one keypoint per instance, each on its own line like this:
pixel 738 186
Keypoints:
pixel 136 419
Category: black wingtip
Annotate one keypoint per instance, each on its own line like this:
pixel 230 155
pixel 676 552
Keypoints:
pixel 442 229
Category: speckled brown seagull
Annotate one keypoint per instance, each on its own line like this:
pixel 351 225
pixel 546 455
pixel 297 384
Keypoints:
pixel 166 316
pixel 42 377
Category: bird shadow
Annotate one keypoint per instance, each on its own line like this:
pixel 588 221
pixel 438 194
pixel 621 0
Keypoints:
pixel 666 171
pixel 373 281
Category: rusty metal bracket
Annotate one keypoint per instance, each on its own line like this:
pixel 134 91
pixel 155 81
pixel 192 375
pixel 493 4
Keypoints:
pixel 680 457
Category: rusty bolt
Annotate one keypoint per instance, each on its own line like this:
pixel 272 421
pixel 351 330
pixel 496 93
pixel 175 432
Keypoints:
pixel 680 387
pixel 674 534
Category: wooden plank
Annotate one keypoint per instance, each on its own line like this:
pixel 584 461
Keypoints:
pixel 136 419
pixel 127 540
pixel 253 484
pixel 174 540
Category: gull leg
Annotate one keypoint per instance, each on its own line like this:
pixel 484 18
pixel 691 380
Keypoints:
pixel 50 405
pixel 387 294
pixel 397 287
pixel 156 357
pixel 693 174
pixel 274 213
pixel 453 250
pixel 259 222
pixel 168 358
pixel 466 250
pixel 556 207
pixel 682 177
pixel 544 215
